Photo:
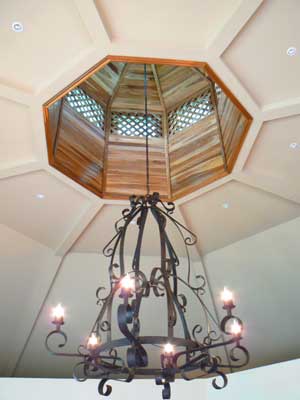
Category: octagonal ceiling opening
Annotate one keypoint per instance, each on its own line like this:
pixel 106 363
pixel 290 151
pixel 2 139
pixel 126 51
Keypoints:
pixel 95 128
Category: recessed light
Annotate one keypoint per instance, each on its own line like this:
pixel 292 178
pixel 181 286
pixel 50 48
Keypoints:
pixel 17 26
pixel 291 51
pixel 40 196
pixel 294 145
pixel 225 205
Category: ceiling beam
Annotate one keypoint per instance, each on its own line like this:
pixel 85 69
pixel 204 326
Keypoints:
pixel 281 109
pixel 278 187
pixel 21 169
pixel 234 25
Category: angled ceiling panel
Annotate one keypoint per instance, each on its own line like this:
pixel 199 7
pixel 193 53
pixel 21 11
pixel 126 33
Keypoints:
pixel 249 211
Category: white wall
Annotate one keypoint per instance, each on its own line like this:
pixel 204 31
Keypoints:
pixel 26 270
pixel 274 382
pixel 61 389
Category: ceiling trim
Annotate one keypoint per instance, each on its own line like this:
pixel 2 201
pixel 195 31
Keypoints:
pixel 21 169
pixel 263 183
pixel 282 109
pixel 79 226
pixel 93 22
pixel 247 145
pixel 233 26
pixel 16 95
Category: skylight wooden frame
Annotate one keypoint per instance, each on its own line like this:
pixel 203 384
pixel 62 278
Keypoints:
pixel 203 68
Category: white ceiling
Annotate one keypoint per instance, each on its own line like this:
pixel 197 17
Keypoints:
pixel 245 42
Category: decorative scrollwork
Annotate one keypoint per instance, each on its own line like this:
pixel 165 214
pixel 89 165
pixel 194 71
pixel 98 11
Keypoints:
pixel 105 326
pixel 224 379
pixel 196 331
pixel 194 356
pixel 56 333
pixel 237 353
pixel 103 388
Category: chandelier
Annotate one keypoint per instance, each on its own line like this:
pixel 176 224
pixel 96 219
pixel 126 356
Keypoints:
pixel 194 353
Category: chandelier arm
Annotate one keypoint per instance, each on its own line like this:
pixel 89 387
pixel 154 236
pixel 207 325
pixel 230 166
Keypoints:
pixel 161 221
pixel 137 253
pixel 204 307
pixel 104 307
pixel 136 354
pixel 173 259
pixel 188 240
pixel 203 349
pixel 58 332
pixel 127 220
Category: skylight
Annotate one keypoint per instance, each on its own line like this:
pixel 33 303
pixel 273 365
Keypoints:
pixel 189 113
pixel 133 124
pixel 86 106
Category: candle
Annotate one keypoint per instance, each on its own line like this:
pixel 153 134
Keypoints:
pixel 236 328
pixel 227 295
pixel 93 341
pixel 168 348
pixel 127 283
pixel 58 314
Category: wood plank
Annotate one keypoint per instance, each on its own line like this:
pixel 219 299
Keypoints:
pixel 195 155
pixel 234 125
pixel 79 150
pixel 126 166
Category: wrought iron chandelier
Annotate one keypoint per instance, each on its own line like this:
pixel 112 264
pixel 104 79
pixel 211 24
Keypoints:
pixel 194 354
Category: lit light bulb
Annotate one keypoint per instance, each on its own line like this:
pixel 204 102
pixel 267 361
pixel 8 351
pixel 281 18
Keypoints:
pixel 127 283
pixel 168 348
pixel 58 313
pixel 93 341
pixel 226 295
pixel 236 328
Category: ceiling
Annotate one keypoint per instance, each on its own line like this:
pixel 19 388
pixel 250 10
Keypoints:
pixel 247 222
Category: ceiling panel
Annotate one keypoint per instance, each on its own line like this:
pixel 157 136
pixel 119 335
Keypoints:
pixel 46 220
pixel 258 54
pixel 53 36
pixel 263 272
pixel 17 145
pixel 276 154
pixel 249 211
pixel 190 23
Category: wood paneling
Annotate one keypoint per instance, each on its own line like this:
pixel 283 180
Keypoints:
pixel 195 156
pixel 126 166
pixel 53 118
pixel 79 149
pixel 130 95
pixel 114 166
pixel 100 86
pixel 179 83
pixel 234 126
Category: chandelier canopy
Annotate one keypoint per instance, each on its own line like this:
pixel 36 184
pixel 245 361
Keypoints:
pixel 194 352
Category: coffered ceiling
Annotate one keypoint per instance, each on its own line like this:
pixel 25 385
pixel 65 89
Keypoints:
pixel 246 219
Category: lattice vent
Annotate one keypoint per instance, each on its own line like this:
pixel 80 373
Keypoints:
pixel 86 106
pixel 134 124
pixel 190 113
